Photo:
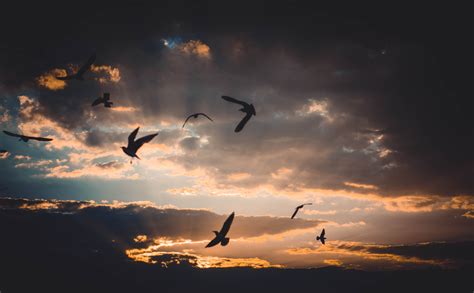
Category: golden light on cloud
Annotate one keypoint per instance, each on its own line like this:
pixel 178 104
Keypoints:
pixel 140 238
pixel 48 80
pixel 124 109
pixel 333 262
pixel 154 254
pixel 195 47
pixel 112 74
pixel 359 185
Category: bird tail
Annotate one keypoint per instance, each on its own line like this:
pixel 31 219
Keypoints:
pixel 137 157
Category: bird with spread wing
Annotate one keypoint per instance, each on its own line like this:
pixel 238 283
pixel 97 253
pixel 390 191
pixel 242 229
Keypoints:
pixel 26 138
pixel 196 115
pixel 248 109
pixel 220 236
pixel 321 237
pixel 105 99
pixel 79 75
pixel 133 145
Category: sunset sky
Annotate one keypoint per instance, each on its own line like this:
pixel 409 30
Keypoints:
pixel 365 112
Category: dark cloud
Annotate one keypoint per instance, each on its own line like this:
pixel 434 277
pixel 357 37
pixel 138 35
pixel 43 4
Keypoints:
pixel 125 221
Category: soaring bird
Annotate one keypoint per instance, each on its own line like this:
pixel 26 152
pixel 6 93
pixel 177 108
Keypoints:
pixel 25 138
pixel 247 108
pixel 195 115
pixel 103 100
pixel 79 74
pixel 321 237
pixel 220 236
pixel 133 145
pixel 298 208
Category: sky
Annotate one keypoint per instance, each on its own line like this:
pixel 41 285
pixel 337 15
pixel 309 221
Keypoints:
pixel 365 112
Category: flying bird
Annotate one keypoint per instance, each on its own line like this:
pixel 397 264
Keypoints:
pixel 220 236
pixel 103 100
pixel 133 145
pixel 26 138
pixel 321 237
pixel 247 108
pixel 196 116
pixel 298 208
pixel 79 74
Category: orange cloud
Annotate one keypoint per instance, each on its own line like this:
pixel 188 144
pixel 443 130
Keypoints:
pixel 48 80
pixel 112 74
pixel 195 47
pixel 359 185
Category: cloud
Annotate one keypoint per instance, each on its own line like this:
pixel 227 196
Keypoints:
pixel 5 115
pixel 195 47
pixel 48 80
pixel 112 74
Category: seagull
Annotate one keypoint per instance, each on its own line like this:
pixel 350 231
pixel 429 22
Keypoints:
pixel 196 116
pixel 321 237
pixel 103 100
pixel 247 108
pixel 298 208
pixel 133 145
pixel 220 236
pixel 79 74
pixel 25 138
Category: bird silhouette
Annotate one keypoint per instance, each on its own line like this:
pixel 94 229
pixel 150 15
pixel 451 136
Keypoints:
pixel 79 74
pixel 133 145
pixel 26 138
pixel 321 237
pixel 105 99
pixel 195 115
pixel 247 108
pixel 298 208
pixel 220 236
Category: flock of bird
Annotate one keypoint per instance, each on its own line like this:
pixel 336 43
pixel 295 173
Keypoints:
pixel 134 144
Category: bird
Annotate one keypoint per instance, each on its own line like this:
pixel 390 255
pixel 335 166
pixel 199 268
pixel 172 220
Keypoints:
pixel 220 236
pixel 321 237
pixel 195 115
pixel 26 138
pixel 79 74
pixel 133 145
pixel 247 108
pixel 103 100
pixel 298 208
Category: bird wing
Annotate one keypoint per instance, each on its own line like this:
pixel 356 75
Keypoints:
pixel 12 134
pixel 323 241
pixel 226 227
pixel 187 120
pixel 294 214
pixel 86 66
pixel 323 233
pixel 131 137
pixel 142 140
pixel 203 114
pixel 214 242
pixel 97 101
pixel 242 123
pixel 106 96
pixel 39 138
pixel 235 101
